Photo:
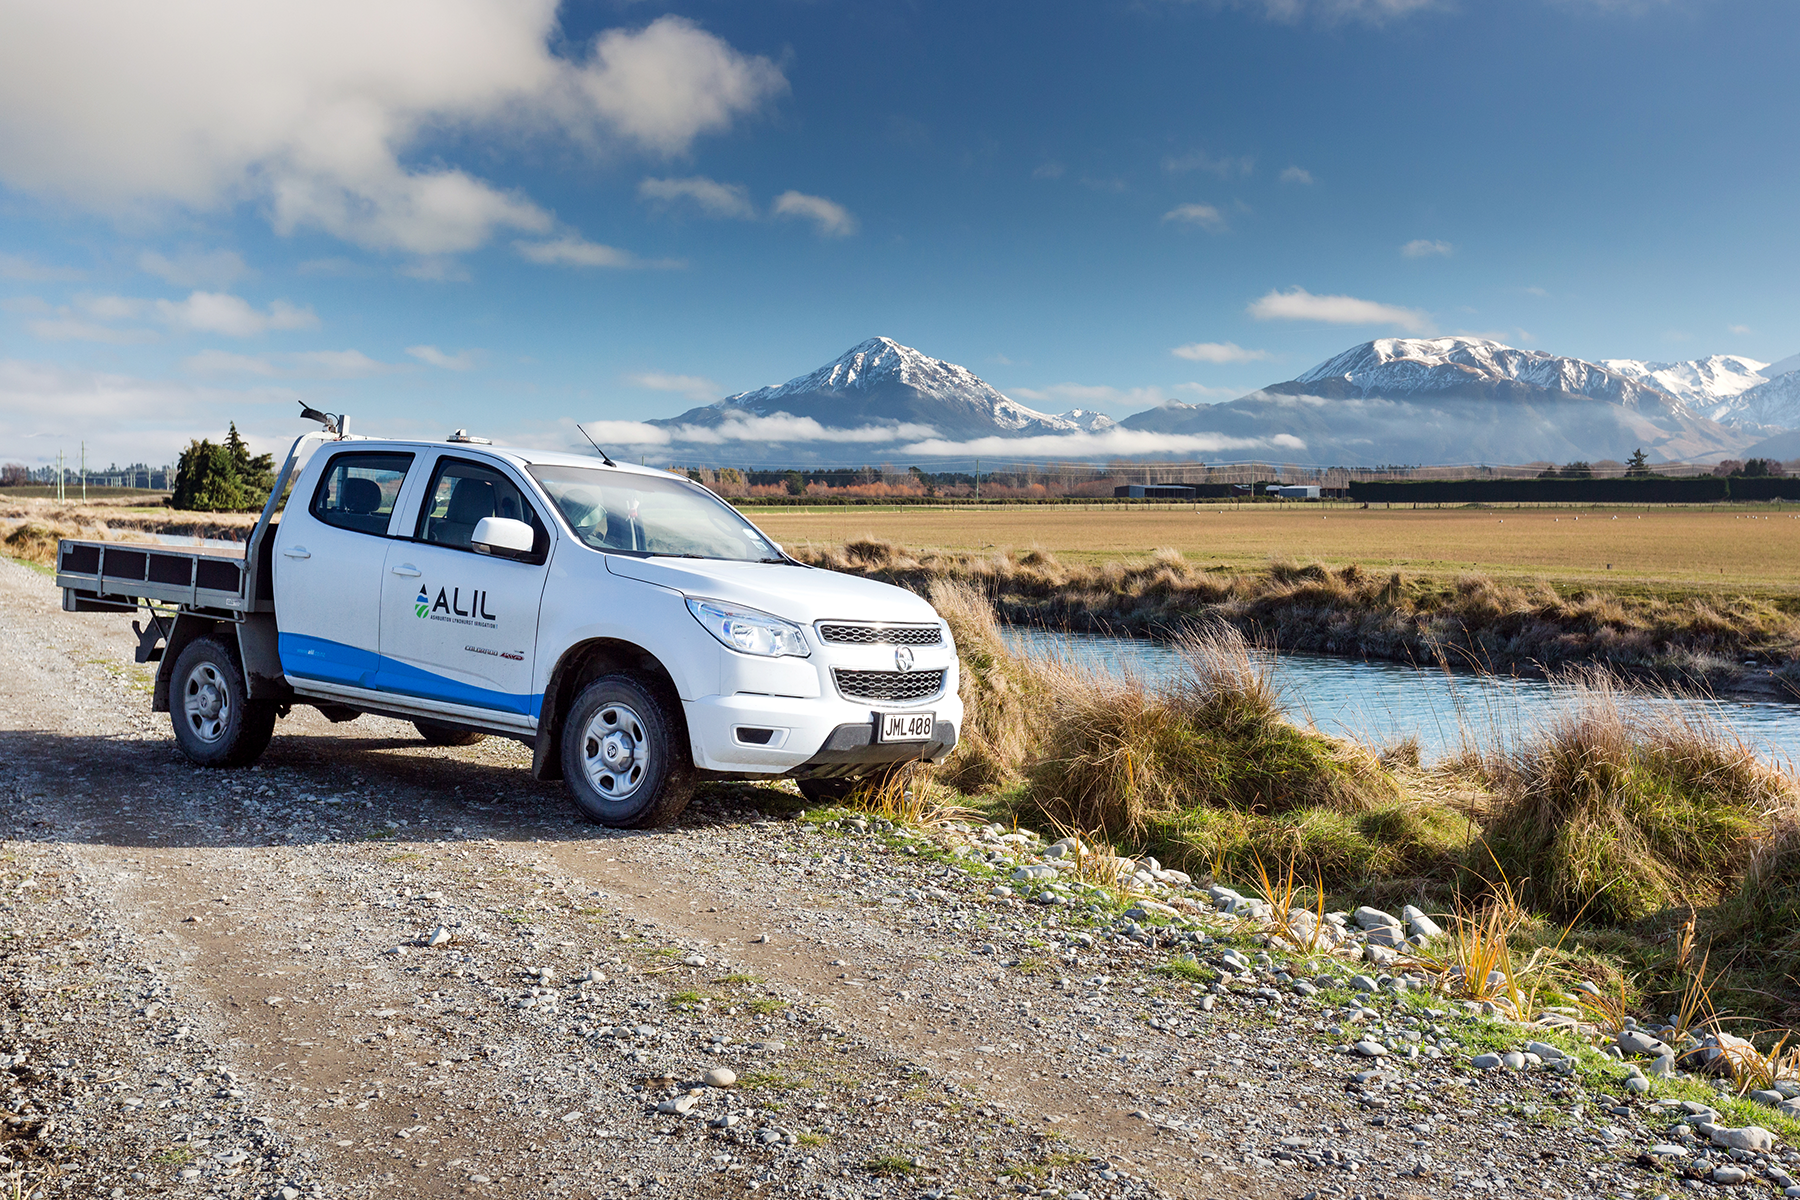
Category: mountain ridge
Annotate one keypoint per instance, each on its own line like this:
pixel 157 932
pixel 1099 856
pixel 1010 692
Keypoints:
pixel 1446 399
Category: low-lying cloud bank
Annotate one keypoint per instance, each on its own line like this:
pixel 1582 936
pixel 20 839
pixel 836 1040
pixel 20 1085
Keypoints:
pixel 922 441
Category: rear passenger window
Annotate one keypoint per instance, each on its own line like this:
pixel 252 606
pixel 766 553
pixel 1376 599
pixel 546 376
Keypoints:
pixel 359 490
pixel 462 494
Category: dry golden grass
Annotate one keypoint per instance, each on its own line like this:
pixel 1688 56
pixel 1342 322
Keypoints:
pixel 1685 550
pixel 1466 619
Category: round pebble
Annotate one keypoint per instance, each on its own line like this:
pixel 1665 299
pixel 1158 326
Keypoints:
pixel 720 1077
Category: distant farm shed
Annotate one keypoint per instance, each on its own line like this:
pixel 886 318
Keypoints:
pixel 1157 491
pixel 1302 491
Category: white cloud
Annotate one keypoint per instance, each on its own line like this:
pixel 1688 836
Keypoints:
pixel 1332 12
pixel 436 268
pixel 337 364
pixel 195 268
pixel 694 387
pixel 1204 392
pixel 462 360
pixel 224 362
pixel 233 316
pixel 1199 160
pixel 1219 352
pixel 1297 175
pixel 1423 248
pixel 17 266
pixel 64 329
pixel 1077 395
pixel 45 407
pixel 1298 304
pixel 1740 330
pixel 1536 291
pixel 111 308
pixel 1106 443
pixel 302 364
pixel 1049 170
pixel 310 109
pixel 832 218
pixel 667 84
pixel 575 251
pixel 1203 215
pixel 711 197
pixel 778 428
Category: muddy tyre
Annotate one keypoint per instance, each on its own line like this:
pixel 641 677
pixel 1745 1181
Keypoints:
pixel 625 758
pixel 216 723
pixel 446 735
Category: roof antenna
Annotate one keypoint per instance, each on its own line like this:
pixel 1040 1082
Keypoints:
pixel 596 445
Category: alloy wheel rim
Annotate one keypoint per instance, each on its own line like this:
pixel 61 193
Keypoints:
pixel 615 751
pixel 206 702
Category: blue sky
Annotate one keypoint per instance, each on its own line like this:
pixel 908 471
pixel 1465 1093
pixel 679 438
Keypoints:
pixel 506 215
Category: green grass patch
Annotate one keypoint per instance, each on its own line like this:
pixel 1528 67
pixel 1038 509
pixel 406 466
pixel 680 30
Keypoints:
pixel 889 1165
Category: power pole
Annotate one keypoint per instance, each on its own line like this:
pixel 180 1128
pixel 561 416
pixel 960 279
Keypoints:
pixel 84 472
pixel 978 479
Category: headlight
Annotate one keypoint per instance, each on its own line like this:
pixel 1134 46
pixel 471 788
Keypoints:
pixel 748 631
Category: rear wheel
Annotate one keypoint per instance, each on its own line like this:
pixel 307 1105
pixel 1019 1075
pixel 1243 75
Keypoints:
pixel 216 723
pixel 622 760
pixel 446 735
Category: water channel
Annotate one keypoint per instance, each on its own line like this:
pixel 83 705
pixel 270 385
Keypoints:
pixel 1380 703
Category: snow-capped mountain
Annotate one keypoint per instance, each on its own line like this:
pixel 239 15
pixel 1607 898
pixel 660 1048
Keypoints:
pixel 1706 386
pixel 882 383
pixel 1458 365
pixel 1460 400
pixel 1774 401
pixel 1087 420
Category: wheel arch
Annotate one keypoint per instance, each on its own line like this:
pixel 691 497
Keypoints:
pixel 187 628
pixel 580 665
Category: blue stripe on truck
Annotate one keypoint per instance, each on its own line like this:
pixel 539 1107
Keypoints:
pixel 333 662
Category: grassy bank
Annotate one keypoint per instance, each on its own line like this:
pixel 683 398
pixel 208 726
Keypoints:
pixel 1623 849
pixel 1469 621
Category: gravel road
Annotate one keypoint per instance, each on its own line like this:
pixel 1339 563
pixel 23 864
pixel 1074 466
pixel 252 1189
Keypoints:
pixel 371 967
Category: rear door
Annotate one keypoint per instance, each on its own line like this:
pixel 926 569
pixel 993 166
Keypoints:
pixel 458 625
pixel 329 557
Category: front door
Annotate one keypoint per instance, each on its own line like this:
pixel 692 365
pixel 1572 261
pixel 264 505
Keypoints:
pixel 330 552
pixel 458 625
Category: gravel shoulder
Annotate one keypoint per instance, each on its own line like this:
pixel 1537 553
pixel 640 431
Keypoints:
pixel 372 967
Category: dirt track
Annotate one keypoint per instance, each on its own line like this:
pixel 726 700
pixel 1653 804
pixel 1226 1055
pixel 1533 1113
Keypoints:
pixel 220 984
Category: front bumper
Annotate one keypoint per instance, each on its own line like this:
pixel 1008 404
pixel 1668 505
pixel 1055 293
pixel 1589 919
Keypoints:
pixel 810 737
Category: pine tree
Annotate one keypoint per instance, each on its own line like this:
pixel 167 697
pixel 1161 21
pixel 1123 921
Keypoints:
pixel 1638 465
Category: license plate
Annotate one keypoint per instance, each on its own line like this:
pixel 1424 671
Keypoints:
pixel 905 727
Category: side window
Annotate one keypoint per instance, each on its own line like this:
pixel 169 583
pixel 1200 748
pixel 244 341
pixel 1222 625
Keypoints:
pixel 464 492
pixel 358 491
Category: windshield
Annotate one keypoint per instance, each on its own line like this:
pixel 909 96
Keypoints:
pixel 643 514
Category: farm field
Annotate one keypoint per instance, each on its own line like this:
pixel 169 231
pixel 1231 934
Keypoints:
pixel 1650 550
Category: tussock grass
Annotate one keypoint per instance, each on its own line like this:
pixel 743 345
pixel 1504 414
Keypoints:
pixel 1208 772
pixel 1620 812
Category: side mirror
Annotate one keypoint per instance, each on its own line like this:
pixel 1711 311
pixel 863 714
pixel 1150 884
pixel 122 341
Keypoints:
pixel 501 535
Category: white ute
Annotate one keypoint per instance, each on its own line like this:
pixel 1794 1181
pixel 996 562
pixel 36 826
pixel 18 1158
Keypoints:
pixel 629 626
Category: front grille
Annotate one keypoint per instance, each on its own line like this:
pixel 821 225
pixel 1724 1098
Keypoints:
pixel 888 685
pixel 883 635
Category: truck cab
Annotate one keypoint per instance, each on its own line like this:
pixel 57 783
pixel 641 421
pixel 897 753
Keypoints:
pixel 631 627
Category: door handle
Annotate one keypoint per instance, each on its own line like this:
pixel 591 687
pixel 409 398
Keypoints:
pixel 408 570
pixel 297 552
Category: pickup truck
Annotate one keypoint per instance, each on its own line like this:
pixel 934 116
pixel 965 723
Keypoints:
pixel 631 628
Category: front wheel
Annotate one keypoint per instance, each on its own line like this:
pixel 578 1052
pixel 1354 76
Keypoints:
pixel 622 762
pixel 216 723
